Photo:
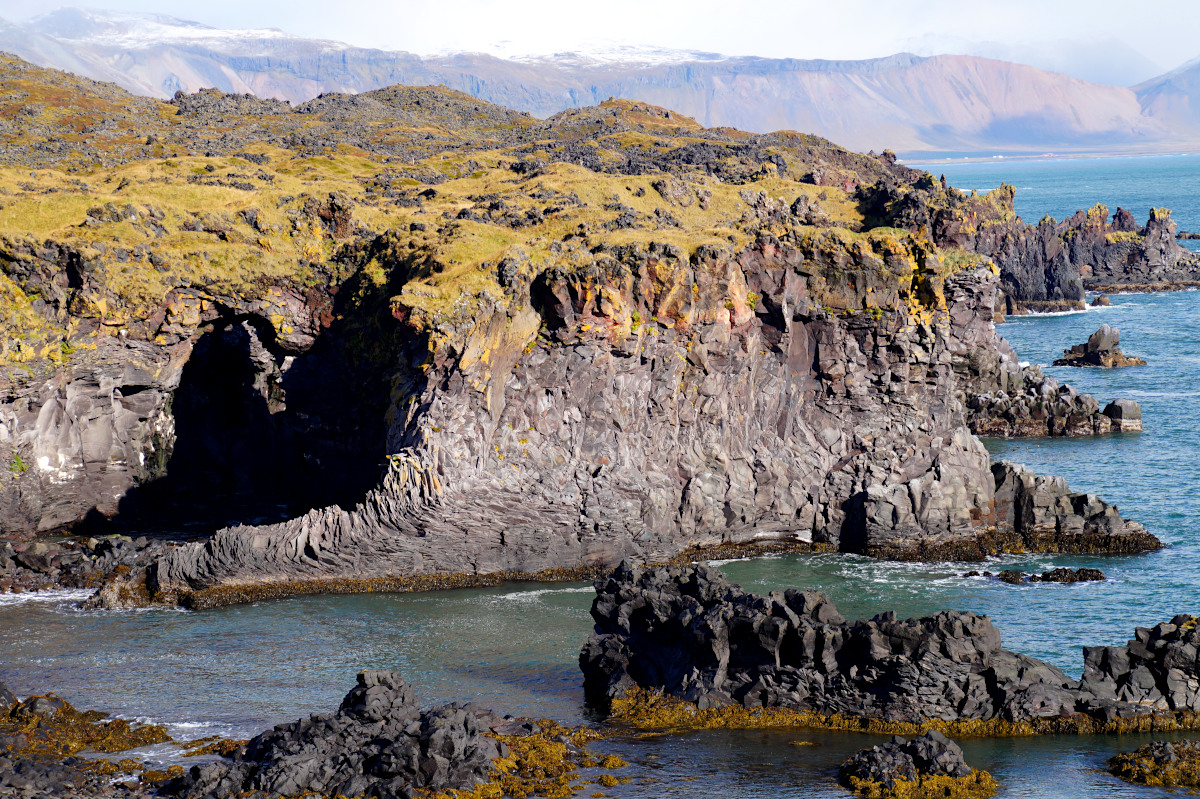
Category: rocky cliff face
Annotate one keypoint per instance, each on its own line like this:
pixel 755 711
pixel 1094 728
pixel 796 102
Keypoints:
pixel 1047 266
pixel 460 342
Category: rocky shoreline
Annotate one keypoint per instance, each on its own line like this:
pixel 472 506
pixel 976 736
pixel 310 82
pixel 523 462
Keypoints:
pixel 685 647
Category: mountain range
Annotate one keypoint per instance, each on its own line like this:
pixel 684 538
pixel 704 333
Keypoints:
pixel 917 106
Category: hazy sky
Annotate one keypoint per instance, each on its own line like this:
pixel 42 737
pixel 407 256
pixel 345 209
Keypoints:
pixel 1076 36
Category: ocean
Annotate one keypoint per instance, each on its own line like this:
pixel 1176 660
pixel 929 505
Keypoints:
pixel 236 671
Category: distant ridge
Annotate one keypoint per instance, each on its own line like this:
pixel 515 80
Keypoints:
pixel 914 105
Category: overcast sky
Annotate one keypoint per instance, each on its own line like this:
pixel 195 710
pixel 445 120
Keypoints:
pixel 1090 38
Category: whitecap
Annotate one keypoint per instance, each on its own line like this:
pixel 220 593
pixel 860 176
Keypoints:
pixel 55 596
pixel 535 595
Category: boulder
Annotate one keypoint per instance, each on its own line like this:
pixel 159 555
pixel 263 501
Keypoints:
pixel 1126 415
pixel 932 762
pixel 1102 349
pixel 379 743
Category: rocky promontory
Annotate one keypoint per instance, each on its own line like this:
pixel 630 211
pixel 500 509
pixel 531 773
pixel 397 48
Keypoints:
pixel 1102 349
pixel 685 647
pixel 476 345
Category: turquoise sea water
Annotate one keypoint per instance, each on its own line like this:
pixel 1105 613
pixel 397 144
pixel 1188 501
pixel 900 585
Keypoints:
pixel 236 671
pixel 1063 186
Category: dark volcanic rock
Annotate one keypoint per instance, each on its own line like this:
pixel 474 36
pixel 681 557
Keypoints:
pixel 378 744
pixel 1003 398
pixel 1059 575
pixel 693 635
pixel 1165 763
pixel 906 760
pixel 1102 349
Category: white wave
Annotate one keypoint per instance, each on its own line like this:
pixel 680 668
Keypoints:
pixel 537 593
pixel 56 596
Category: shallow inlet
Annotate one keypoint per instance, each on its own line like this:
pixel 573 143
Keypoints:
pixel 235 671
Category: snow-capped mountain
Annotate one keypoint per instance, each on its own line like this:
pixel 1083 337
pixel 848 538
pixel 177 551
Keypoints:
pixel 908 103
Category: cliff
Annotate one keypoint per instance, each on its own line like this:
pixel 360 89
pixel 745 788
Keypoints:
pixel 1047 266
pixel 442 338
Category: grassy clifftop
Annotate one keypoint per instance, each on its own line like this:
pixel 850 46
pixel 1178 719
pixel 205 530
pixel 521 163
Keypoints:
pixel 120 214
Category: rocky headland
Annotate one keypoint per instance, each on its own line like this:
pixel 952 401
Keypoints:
pixel 1101 349
pixel 407 338
pixel 685 647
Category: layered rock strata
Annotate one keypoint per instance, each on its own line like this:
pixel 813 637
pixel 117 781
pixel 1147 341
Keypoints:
pixel 1101 349
pixel 931 765
pixel 692 636
pixel 595 440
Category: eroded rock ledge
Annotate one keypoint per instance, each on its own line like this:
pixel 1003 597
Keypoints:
pixel 687 647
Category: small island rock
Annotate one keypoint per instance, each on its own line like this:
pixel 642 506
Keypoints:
pixel 931 765
pixel 1101 349
pixel 1165 763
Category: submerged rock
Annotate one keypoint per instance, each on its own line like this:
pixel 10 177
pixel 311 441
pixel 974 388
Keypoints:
pixel 1101 349
pixel 1053 576
pixel 379 744
pixel 691 635
pixel 1165 763
pixel 931 765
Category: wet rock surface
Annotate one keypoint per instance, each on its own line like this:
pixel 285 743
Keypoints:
pixel 1165 763
pixel 28 563
pixel 903 767
pixel 1003 398
pixel 691 634
pixel 1060 575
pixel 378 744
pixel 40 736
pixel 1102 349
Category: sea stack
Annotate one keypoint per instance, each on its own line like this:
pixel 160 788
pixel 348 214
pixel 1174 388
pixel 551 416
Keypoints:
pixel 1101 349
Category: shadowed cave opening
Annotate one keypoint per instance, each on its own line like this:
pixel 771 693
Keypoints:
pixel 261 435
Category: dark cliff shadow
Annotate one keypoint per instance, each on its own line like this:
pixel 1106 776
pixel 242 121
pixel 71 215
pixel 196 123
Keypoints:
pixel 263 434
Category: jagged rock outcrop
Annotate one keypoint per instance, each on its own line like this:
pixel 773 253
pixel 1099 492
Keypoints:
pixel 1102 349
pixel 1003 398
pixel 1047 266
pixel 378 744
pixel 692 635
pixel 1060 575
pixel 930 765
pixel 1160 763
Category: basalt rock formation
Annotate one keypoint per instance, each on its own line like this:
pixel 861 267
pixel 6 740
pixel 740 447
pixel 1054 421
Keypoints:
pixel 378 744
pixel 1003 398
pixel 694 637
pixel 442 338
pixel 1059 575
pixel 1161 763
pixel 931 765
pixel 1047 266
pixel 1102 349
